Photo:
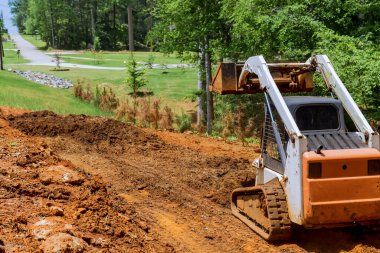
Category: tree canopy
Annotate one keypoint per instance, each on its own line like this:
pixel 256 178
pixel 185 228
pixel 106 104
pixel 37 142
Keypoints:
pixel 74 24
pixel 347 31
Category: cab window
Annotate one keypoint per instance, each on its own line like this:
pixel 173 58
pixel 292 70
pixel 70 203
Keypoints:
pixel 317 117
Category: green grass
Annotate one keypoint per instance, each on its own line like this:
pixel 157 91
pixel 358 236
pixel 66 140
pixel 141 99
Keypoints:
pixel 20 93
pixel 172 86
pixel 41 45
pixel 10 52
pixel 117 59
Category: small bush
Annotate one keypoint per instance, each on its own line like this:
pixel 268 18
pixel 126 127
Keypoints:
pixel 78 89
pixel 167 119
pixel 228 126
pixel 183 122
pixel 84 94
pixel 155 113
pixel 97 44
pixel 135 79
pixel 144 114
pixel 107 99
pixel 122 111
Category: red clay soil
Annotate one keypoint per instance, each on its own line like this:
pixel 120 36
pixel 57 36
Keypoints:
pixel 113 187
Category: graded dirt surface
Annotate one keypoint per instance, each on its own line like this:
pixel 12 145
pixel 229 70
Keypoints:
pixel 99 185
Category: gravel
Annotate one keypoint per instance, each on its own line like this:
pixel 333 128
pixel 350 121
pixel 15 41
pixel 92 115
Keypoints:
pixel 44 79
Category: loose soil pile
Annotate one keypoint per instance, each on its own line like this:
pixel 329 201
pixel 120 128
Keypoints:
pixel 48 203
pixel 96 184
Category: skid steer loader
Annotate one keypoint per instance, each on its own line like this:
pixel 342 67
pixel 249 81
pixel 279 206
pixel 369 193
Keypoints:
pixel 312 170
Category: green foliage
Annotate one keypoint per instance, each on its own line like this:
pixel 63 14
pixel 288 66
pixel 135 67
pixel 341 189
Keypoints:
pixel 182 25
pixel 252 105
pixel 357 63
pixel 183 122
pixel 135 79
pixel 67 24
pixel 97 44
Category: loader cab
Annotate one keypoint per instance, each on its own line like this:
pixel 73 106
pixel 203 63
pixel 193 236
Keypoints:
pixel 317 114
pixel 320 119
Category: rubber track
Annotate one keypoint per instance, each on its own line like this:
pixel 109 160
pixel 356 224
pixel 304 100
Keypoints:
pixel 280 225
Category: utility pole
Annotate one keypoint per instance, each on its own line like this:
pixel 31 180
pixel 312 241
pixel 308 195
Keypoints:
pixel 130 29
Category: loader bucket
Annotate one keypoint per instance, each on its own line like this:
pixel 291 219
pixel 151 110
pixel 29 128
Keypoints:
pixel 289 77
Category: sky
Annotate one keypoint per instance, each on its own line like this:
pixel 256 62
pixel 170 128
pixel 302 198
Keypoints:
pixel 4 8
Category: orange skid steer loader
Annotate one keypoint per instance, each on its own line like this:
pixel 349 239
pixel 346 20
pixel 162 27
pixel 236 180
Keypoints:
pixel 313 171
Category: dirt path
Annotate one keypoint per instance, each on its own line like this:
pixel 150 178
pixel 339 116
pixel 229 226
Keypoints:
pixel 180 186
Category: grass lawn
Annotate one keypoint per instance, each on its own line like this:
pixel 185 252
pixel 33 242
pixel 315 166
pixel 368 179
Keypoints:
pixel 173 86
pixel 10 52
pixel 41 45
pixel 20 93
pixel 117 59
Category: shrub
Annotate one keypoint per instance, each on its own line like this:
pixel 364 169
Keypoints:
pixel 107 99
pixel 167 119
pixel 84 94
pixel 123 110
pixel 155 113
pixel 135 79
pixel 97 44
pixel 144 114
pixel 183 122
pixel 78 89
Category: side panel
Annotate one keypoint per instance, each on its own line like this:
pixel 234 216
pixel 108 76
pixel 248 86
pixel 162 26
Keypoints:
pixel 344 192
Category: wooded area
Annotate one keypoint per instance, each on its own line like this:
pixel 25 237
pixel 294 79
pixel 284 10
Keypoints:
pixel 210 31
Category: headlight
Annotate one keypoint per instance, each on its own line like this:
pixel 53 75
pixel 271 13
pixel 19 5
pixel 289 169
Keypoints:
pixel 373 167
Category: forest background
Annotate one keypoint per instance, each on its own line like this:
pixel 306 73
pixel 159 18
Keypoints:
pixel 207 32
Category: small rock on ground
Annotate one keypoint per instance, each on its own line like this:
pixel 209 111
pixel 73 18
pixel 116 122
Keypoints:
pixel 63 242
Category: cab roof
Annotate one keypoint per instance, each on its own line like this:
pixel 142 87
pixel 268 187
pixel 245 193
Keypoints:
pixel 293 102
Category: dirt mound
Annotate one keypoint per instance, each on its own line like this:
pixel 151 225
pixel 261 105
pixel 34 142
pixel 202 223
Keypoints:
pixel 218 175
pixel 86 129
pixel 38 205
pixel 127 189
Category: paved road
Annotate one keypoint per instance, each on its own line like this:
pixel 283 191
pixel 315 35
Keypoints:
pixel 29 51
pixel 37 57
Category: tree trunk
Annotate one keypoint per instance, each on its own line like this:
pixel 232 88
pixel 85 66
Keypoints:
pixel 52 25
pixel 93 26
pixel 210 102
pixel 1 49
pixel 130 29
pixel 201 86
